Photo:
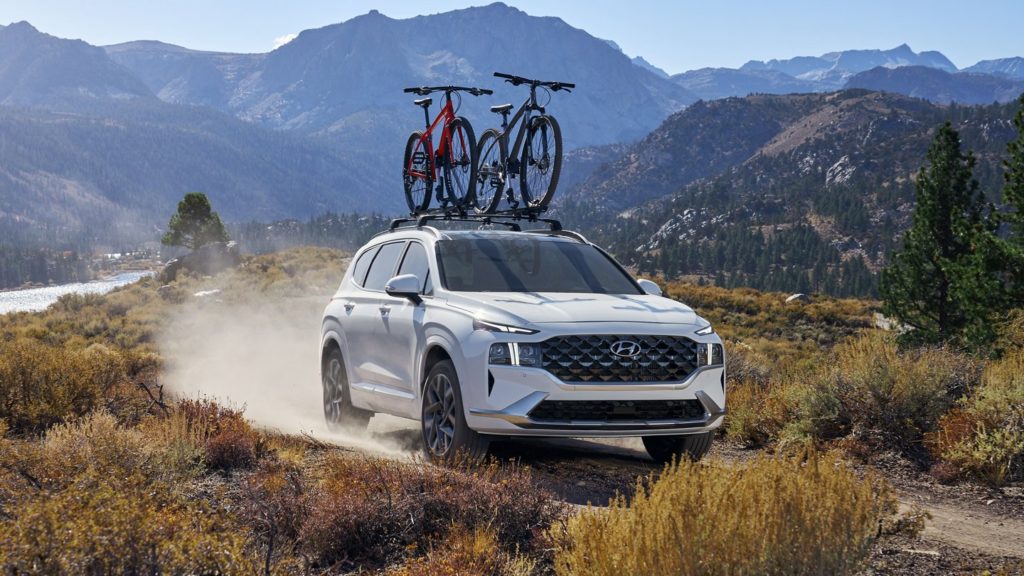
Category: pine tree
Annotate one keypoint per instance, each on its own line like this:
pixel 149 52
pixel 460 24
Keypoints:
pixel 1013 196
pixel 195 224
pixel 944 284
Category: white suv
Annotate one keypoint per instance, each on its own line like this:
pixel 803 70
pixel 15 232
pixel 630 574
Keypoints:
pixel 479 334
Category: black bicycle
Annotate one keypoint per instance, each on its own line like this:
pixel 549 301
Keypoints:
pixel 455 154
pixel 535 158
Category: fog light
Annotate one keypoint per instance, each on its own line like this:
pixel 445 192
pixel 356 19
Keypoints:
pixel 499 354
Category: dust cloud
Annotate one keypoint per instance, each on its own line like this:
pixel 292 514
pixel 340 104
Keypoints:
pixel 261 353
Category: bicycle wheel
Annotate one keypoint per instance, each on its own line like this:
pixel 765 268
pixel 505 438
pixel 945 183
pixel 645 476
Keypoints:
pixel 460 163
pixel 490 184
pixel 542 162
pixel 417 173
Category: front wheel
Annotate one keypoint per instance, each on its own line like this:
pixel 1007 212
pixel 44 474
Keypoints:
pixel 665 449
pixel 339 412
pixel 541 163
pixel 491 175
pixel 460 164
pixel 417 173
pixel 445 432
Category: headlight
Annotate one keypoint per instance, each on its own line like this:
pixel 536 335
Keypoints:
pixel 479 324
pixel 499 354
pixel 705 331
pixel 515 354
pixel 710 355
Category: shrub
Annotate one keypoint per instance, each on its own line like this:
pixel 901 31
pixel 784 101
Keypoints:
pixel 42 385
pixel 890 398
pixel 227 439
pixel 273 506
pixel 984 436
pixel 105 525
pixel 768 516
pixel 372 511
pixel 465 553
pixel 94 498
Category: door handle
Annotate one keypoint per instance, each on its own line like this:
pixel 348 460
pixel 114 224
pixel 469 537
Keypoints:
pixel 349 306
pixel 385 310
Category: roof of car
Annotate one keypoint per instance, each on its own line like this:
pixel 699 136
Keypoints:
pixel 431 232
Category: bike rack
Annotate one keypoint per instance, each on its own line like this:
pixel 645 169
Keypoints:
pixel 510 218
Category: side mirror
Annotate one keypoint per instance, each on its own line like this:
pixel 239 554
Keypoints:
pixel 404 286
pixel 649 287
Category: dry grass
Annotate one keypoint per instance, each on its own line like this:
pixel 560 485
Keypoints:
pixel 769 516
pixel 984 436
pixel 371 511
pixel 467 553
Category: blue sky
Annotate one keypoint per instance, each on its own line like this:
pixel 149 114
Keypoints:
pixel 675 35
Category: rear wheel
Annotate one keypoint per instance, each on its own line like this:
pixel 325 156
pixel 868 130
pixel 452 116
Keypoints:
pixel 491 175
pixel 417 173
pixel 664 449
pixel 339 412
pixel 460 164
pixel 542 162
pixel 445 433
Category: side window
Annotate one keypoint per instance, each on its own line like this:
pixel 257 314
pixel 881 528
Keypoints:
pixel 383 265
pixel 415 262
pixel 363 264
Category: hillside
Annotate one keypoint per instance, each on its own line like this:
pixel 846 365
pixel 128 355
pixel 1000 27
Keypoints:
pixel 814 202
pixel 133 164
pixel 940 86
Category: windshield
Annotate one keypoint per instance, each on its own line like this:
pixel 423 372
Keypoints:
pixel 529 264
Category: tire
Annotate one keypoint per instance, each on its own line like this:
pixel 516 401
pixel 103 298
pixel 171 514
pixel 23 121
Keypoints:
pixel 491 177
pixel 339 413
pixel 539 172
pixel 460 164
pixel 418 188
pixel 446 436
pixel 665 449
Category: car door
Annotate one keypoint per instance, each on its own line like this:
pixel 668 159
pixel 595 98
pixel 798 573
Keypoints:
pixel 363 312
pixel 401 327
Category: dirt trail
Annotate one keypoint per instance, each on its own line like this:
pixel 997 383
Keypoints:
pixel 968 527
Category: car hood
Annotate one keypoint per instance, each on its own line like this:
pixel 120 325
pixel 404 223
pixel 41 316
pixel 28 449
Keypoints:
pixel 547 307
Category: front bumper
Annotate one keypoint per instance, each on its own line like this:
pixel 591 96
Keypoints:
pixel 514 392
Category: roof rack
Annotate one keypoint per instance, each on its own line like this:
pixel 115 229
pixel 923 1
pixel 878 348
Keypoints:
pixel 509 218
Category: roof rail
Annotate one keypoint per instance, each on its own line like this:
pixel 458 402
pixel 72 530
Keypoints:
pixel 509 218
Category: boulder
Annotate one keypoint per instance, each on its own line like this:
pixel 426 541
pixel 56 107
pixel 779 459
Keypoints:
pixel 798 299
pixel 209 259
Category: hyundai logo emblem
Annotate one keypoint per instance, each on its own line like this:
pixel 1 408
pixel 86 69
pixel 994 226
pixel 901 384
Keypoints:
pixel 625 348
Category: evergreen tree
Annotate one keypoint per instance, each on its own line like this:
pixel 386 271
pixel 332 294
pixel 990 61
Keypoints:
pixel 943 284
pixel 195 224
pixel 1013 196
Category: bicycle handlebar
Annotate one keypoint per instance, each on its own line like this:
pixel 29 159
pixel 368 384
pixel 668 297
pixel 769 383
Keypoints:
pixel 517 80
pixel 424 90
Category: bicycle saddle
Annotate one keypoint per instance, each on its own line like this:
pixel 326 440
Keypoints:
pixel 423 102
pixel 501 108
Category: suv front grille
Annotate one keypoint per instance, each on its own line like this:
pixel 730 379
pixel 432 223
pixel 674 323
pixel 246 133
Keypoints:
pixel 617 410
pixel 590 358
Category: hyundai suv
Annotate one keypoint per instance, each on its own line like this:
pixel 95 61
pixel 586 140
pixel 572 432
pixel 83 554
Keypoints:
pixel 493 333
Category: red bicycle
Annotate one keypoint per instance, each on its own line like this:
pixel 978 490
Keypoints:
pixel 455 156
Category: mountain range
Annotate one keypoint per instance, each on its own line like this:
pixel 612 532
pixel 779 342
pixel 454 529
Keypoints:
pixel 987 81
pixel 91 135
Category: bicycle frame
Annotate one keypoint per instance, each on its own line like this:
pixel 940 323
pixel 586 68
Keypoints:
pixel 522 116
pixel 445 117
